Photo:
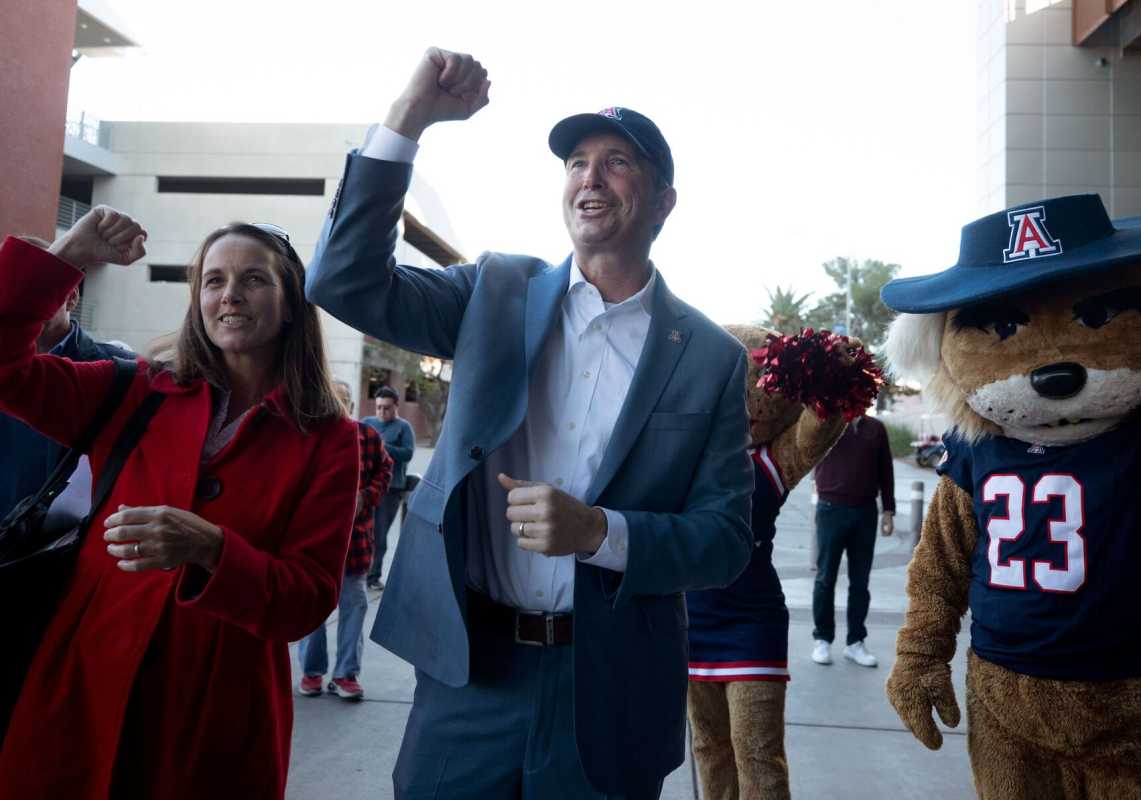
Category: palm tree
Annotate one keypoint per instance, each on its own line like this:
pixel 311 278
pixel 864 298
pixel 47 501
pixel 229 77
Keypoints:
pixel 786 311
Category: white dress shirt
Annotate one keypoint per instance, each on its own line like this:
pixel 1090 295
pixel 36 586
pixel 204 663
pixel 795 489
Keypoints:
pixel 574 397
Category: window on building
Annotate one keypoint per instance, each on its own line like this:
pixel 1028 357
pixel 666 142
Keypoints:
pixel 178 184
pixel 168 273
pixel 78 188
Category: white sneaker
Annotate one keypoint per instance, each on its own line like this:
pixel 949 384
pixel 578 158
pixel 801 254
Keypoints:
pixel 858 653
pixel 820 653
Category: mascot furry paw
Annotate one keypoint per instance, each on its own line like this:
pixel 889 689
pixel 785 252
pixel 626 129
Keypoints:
pixel 739 635
pixel 1031 345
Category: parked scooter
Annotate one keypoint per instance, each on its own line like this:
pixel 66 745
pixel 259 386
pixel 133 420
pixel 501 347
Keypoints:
pixel 929 450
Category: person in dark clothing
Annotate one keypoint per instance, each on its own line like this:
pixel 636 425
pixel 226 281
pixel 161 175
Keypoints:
pixel 27 457
pixel 400 442
pixel 847 482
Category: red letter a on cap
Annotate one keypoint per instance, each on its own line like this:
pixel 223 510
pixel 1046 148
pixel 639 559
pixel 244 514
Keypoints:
pixel 1028 236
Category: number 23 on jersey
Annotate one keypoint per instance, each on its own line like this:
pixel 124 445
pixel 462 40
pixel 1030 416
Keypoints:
pixel 1067 577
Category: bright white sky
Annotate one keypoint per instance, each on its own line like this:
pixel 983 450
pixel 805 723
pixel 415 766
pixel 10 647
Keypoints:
pixel 800 130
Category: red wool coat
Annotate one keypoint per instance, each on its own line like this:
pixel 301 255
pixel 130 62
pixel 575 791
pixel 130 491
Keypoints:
pixel 171 684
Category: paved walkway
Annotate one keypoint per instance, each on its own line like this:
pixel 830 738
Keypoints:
pixel 843 739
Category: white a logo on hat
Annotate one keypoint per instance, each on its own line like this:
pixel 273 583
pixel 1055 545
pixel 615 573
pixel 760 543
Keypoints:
pixel 614 112
pixel 1029 237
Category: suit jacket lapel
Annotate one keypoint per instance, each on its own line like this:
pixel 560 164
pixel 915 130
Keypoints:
pixel 544 291
pixel 666 340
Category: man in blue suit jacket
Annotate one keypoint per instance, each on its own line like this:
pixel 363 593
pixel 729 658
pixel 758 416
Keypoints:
pixel 592 467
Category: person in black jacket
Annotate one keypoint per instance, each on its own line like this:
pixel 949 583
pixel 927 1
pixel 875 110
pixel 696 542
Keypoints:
pixel 27 457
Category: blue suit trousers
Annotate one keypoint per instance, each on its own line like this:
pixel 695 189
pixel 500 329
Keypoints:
pixel 507 735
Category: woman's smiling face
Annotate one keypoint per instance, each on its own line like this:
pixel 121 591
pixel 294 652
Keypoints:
pixel 242 298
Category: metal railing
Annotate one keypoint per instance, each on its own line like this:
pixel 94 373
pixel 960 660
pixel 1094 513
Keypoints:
pixel 69 212
pixel 66 215
pixel 87 128
pixel 84 314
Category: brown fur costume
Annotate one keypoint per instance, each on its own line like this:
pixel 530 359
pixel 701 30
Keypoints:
pixel 738 727
pixel 1029 738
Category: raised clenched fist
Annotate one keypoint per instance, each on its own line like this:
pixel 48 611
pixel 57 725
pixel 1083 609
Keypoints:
pixel 444 86
pixel 102 236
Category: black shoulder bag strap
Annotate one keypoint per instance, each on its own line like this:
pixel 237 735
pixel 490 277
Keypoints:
pixel 132 432
pixel 120 452
pixel 57 481
pixel 125 371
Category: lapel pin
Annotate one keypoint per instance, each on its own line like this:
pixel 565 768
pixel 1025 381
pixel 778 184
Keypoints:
pixel 675 336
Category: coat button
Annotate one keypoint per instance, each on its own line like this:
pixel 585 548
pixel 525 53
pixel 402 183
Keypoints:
pixel 476 452
pixel 209 488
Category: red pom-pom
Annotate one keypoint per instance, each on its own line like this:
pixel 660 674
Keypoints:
pixel 822 370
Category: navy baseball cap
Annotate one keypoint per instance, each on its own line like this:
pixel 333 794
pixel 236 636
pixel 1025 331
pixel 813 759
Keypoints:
pixel 638 128
pixel 1030 245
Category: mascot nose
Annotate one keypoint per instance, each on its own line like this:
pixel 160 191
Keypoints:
pixel 1058 381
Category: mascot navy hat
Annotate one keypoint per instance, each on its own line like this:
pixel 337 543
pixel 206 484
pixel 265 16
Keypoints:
pixel 1021 248
pixel 637 128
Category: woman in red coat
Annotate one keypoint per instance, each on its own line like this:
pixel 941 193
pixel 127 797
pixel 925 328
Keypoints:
pixel 165 671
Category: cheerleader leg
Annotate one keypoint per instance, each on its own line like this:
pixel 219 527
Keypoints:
pixel 756 711
pixel 712 741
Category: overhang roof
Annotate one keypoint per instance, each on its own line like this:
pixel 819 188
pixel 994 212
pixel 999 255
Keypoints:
pixel 424 239
pixel 1107 23
pixel 99 31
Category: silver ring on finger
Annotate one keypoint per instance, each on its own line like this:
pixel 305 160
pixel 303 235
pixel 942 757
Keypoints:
pixel 522 530
pixel 138 550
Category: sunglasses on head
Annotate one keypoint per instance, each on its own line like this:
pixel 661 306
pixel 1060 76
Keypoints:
pixel 277 232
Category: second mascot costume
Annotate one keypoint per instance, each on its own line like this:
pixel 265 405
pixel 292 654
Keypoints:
pixel 738 636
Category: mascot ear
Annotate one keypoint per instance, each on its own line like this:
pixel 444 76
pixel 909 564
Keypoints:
pixel 914 343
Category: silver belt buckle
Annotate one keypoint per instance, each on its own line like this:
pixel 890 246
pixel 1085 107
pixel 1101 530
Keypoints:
pixel 518 615
pixel 549 631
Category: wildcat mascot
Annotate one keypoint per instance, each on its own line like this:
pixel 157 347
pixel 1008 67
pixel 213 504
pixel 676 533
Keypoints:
pixel 1031 344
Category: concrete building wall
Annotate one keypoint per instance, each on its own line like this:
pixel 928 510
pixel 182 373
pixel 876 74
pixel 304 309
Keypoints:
pixel 34 62
pixel 125 304
pixel 1054 119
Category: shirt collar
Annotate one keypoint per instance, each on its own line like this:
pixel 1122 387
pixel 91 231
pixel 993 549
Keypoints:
pixel 643 297
pixel 67 341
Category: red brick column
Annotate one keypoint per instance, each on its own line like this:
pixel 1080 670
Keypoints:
pixel 35 61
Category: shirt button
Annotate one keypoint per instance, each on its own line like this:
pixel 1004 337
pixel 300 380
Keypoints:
pixel 571 426
pixel 586 374
pixel 558 481
pixel 539 593
pixel 594 327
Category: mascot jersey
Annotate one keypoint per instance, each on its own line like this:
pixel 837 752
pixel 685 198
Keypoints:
pixel 1055 585
pixel 740 633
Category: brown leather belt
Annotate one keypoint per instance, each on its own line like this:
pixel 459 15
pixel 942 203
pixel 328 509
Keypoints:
pixel 539 630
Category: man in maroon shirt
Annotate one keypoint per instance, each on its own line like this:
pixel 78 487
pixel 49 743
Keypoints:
pixel 847 481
